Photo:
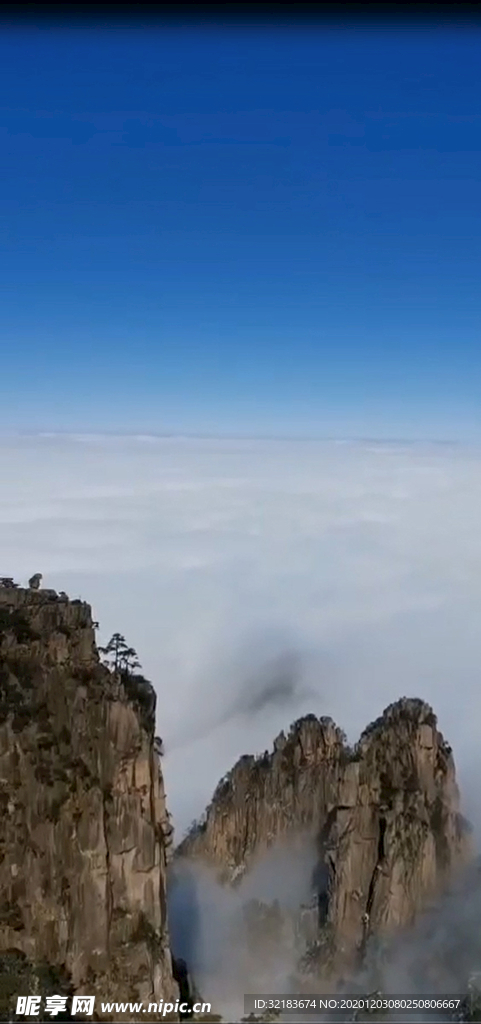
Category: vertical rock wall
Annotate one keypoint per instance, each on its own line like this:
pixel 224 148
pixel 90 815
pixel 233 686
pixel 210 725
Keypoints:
pixel 84 831
pixel 385 817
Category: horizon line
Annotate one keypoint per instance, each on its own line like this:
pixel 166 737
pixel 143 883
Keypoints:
pixel 211 436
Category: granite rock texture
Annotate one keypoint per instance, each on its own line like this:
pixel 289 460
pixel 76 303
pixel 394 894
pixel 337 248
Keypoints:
pixel 384 816
pixel 85 835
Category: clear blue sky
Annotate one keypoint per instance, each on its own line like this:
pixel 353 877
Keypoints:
pixel 241 230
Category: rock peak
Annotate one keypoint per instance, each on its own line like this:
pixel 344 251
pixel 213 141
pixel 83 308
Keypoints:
pixel 406 710
pixel 384 818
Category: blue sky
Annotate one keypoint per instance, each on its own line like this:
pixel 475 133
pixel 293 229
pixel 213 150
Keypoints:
pixel 241 230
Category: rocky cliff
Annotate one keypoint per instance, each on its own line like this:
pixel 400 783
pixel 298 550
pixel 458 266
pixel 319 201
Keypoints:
pixel 84 831
pixel 384 816
pixel 85 837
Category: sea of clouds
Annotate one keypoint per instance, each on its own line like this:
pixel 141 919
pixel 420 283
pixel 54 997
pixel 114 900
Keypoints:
pixel 261 580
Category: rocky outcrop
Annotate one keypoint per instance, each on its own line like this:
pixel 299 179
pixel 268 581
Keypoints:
pixel 385 817
pixel 84 831
pixel 85 836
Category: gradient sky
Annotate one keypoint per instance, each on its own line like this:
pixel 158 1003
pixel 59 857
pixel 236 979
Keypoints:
pixel 241 230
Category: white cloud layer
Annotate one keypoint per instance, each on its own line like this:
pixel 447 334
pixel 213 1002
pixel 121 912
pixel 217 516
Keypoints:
pixel 260 580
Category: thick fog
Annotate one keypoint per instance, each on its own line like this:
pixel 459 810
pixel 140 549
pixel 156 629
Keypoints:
pixel 209 929
pixel 259 580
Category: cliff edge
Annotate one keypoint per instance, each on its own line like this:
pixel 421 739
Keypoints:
pixel 84 832
pixel 384 817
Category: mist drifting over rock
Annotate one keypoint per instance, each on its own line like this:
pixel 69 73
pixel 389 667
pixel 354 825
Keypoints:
pixel 265 583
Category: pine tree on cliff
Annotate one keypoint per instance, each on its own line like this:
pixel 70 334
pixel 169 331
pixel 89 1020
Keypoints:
pixel 129 661
pixel 119 657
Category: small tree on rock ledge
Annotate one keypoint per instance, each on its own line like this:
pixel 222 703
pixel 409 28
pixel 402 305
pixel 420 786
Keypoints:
pixel 119 657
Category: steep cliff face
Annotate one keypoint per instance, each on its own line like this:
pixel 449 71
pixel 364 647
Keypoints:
pixel 385 817
pixel 84 831
pixel 264 798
